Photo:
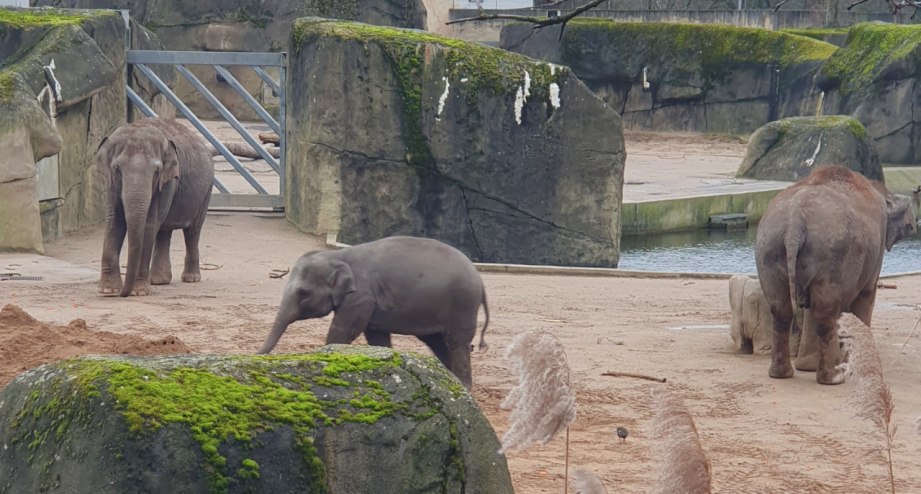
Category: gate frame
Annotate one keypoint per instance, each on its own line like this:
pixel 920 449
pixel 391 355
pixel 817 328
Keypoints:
pixel 140 59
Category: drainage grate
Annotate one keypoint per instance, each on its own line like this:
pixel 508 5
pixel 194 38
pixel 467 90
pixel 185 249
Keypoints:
pixel 18 277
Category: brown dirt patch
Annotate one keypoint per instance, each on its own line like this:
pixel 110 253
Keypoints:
pixel 26 342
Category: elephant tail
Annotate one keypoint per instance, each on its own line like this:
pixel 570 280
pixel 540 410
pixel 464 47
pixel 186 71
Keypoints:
pixel 793 242
pixel 482 345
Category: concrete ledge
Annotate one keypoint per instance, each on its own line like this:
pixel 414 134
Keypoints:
pixel 689 213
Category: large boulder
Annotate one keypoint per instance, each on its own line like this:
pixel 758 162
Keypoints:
pixel 874 78
pixel 684 77
pixel 26 136
pixel 219 25
pixel 88 50
pixel 292 423
pixel 396 131
pixel 789 149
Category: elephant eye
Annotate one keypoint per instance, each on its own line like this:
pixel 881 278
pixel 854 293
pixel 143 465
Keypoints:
pixel 303 293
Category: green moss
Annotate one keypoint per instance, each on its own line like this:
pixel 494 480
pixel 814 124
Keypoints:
pixel 25 18
pixel 821 34
pixel 7 86
pixel 249 469
pixel 482 68
pixel 790 125
pixel 869 50
pixel 712 43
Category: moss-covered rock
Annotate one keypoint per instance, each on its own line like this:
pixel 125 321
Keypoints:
pixel 790 149
pixel 874 78
pixel 690 77
pixel 294 423
pixel 395 131
pixel 834 35
pixel 88 50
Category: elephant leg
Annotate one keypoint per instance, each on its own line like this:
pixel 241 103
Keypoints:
pixel 161 272
pixel 808 356
pixel 780 351
pixel 456 359
pixel 378 338
pixel 142 284
pixel 862 307
pixel 110 279
pixel 826 326
pixel 348 323
pixel 191 272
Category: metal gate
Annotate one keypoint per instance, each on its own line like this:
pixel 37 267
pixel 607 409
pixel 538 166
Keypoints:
pixel 138 60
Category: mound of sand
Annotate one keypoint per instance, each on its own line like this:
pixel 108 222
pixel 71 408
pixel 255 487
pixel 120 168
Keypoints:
pixel 26 343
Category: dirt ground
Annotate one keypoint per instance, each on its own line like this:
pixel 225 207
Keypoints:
pixel 761 435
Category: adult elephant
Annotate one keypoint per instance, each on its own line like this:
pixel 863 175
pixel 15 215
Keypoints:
pixel 159 179
pixel 402 285
pixel 820 246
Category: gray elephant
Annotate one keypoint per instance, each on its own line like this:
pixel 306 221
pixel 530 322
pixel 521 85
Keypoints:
pixel 401 285
pixel 820 246
pixel 159 179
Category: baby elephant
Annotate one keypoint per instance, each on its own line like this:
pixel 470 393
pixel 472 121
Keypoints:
pixel 402 285
pixel 752 325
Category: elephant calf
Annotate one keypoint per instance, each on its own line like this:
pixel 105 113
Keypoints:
pixel 819 247
pixel 159 178
pixel 401 285
pixel 752 326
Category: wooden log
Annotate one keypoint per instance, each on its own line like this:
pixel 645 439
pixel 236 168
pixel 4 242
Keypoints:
pixel 269 138
pixel 244 150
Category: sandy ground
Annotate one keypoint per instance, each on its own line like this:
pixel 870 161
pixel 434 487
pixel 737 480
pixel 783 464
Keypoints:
pixel 761 435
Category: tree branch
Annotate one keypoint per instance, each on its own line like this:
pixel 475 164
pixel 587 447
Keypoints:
pixel 781 4
pixel 858 2
pixel 539 22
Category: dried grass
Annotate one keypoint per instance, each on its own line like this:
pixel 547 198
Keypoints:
pixel 586 482
pixel 683 466
pixel 870 397
pixel 543 403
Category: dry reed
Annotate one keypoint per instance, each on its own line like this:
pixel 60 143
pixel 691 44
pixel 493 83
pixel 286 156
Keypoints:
pixel 683 466
pixel 543 403
pixel 870 397
pixel 586 482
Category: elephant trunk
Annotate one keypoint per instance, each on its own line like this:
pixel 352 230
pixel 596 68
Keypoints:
pixel 137 210
pixel 287 314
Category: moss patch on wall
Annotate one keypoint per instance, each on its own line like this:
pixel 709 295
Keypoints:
pixel 871 48
pixel 26 18
pixel 482 68
pixel 821 34
pixel 788 125
pixel 7 86
pixel 713 44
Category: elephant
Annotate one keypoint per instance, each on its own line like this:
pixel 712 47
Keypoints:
pixel 401 285
pixel 159 178
pixel 752 326
pixel 819 246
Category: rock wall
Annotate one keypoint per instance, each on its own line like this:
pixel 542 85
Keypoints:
pixel 88 49
pixel 684 77
pixel 402 132
pixel 875 79
pixel 295 424
pixel 220 25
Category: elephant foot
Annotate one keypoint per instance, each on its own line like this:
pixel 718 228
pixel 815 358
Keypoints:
pixel 808 363
pixel 830 376
pixel 141 290
pixel 189 277
pixel 110 287
pixel 778 371
pixel 161 278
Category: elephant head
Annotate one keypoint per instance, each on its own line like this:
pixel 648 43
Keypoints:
pixel 139 165
pixel 318 284
pixel 900 221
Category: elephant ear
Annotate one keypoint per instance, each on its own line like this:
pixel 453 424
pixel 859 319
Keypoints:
pixel 900 219
pixel 170 162
pixel 341 282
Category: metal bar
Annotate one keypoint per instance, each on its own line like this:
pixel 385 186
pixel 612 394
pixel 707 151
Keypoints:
pixel 139 102
pixel 248 98
pixel 282 119
pixel 268 79
pixel 232 120
pixel 205 58
pixel 246 201
pixel 200 126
